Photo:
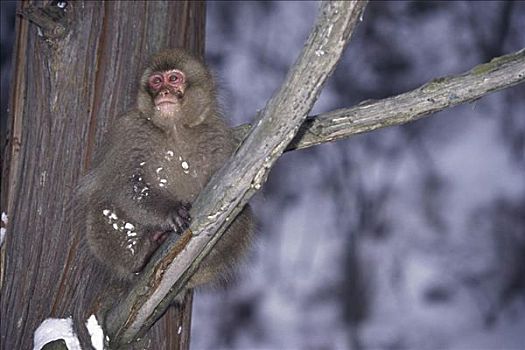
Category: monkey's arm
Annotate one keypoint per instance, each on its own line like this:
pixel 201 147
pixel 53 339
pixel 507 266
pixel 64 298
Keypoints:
pixel 126 220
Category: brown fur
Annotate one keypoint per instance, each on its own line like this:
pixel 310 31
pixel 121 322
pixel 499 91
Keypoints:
pixel 171 158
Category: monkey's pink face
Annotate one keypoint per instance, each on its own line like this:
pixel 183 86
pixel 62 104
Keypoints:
pixel 168 88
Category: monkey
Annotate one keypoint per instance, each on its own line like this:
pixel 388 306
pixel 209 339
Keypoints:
pixel 152 164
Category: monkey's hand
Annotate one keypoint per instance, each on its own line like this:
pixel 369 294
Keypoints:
pixel 179 218
pixel 178 221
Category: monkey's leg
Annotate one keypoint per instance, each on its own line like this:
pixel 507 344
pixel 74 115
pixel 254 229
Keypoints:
pixel 228 250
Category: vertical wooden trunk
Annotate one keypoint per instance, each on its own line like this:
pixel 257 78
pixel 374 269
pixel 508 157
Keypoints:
pixel 75 69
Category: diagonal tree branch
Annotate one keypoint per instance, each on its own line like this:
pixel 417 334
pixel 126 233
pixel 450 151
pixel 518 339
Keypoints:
pixel 436 95
pixel 233 185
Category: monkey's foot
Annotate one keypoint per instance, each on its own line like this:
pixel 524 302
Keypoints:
pixel 180 218
pixel 160 236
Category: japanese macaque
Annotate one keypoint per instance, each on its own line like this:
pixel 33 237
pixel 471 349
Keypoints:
pixel 153 163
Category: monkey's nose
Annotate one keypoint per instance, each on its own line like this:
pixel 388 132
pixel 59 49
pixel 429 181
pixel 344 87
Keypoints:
pixel 165 92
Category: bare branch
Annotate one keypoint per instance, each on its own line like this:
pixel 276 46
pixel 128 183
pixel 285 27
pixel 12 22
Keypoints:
pixel 235 183
pixel 436 95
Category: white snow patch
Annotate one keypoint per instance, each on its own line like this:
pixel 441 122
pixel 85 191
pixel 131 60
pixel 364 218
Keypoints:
pixel 96 332
pixel 3 230
pixel 53 329
pixel 131 249
pixel 169 155
pixel 43 177
pixel 2 235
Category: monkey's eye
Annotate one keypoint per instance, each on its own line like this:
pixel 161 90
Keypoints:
pixel 155 81
pixel 176 77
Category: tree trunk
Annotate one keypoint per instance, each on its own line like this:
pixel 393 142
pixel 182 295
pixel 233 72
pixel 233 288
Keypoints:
pixel 76 68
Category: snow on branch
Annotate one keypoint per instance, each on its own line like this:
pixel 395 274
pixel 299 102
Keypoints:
pixel 236 182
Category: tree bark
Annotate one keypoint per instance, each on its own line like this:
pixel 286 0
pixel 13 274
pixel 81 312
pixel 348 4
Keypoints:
pixel 76 69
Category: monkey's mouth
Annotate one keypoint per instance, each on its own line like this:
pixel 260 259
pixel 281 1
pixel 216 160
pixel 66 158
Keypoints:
pixel 166 99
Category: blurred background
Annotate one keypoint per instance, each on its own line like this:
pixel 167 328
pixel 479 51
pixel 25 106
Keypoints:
pixel 408 237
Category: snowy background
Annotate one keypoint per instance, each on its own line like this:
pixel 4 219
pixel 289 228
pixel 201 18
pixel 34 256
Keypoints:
pixel 409 237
